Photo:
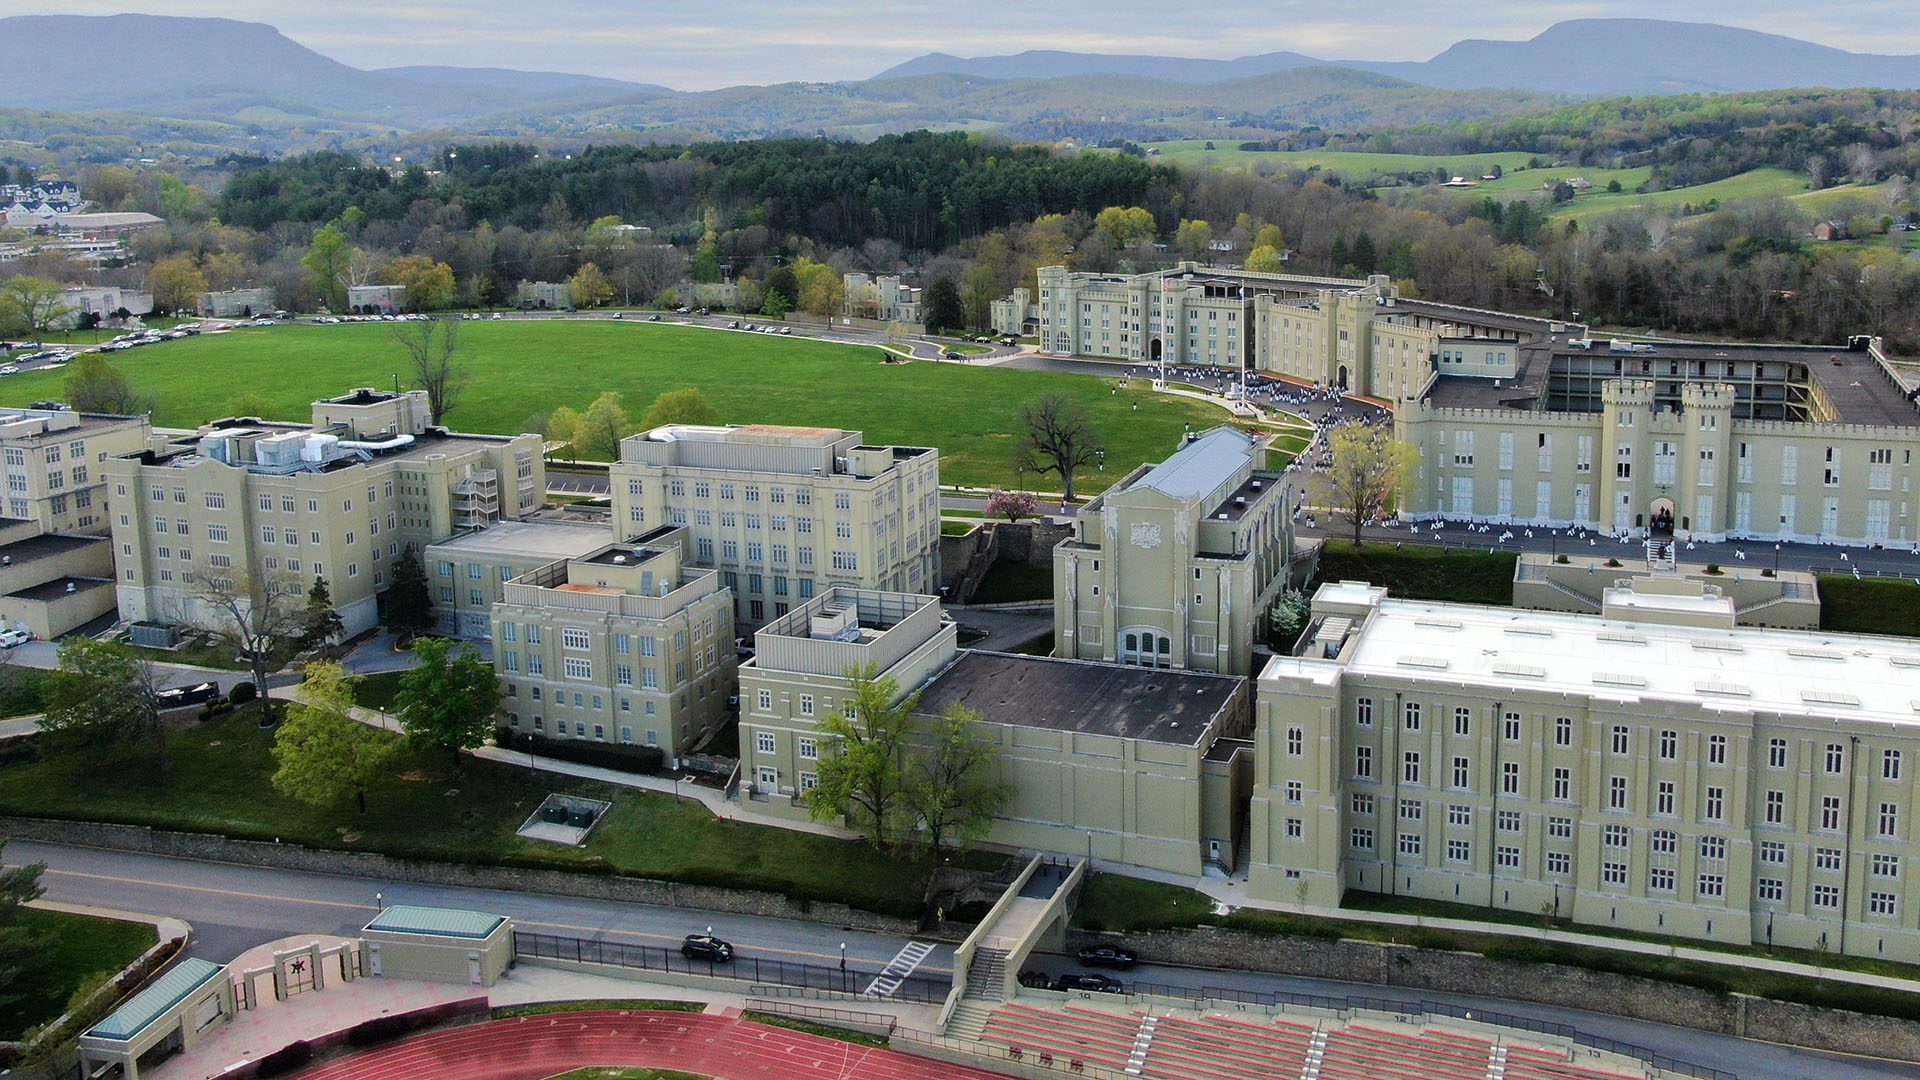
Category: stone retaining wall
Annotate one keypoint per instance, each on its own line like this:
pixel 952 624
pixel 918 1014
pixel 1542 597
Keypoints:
pixel 627 890
pixel 1548 984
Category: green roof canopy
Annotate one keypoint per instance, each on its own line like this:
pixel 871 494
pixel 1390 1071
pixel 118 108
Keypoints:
pixel 150 1004
pixel 441 922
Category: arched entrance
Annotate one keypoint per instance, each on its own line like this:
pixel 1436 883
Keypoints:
pixel 1153 351
pixel 1660 518
pixel 1340 378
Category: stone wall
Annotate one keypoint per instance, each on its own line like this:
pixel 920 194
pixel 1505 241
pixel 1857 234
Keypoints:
pixel 626 890
pixel 964 561
pixel 1031 541
pixel 1548 984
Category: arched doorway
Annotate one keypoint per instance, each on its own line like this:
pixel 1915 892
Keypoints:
pixel 1153 351
pixel 1660 518
pixel 1340 378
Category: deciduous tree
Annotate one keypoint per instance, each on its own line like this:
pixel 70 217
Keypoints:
pixel 102 699
pixel 1059 438
pixel 448 701
pixel 1012 505
pixel 602 427
pixel 329 258
pixel 95 386
pixel 254 612
pixel 30 305
pixel 953 787
pixel 22 949
pixel 861 774
pixel 322 755
pixel 589 287
pixel 563 427
pixel 176 284
pixel 1367 469
pixel 433 355
pixel 684 406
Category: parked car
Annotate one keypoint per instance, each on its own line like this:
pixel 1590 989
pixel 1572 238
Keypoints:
pixel 13 637
pixel 953 354
pixel 619 314
pixel 653 318
pixel 733 325
pixel 1035 980
pixel 706 947
pixel 1086 980
pixel 174 697
pixel 1108 956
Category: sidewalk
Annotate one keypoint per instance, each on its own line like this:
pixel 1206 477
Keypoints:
pixel 1231 894
pixel 715 801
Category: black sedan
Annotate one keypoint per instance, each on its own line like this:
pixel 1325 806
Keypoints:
pixel 1085 980
pixel 1107 956
pixel 706 947
pixel 175 697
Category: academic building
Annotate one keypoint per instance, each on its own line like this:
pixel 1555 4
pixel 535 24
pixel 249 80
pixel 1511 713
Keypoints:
pixel 624 643
pixel 55 461
pixel 1112 761
pixel 786 512
pixel 1653 767
pixel 340 498
pixel 1177 565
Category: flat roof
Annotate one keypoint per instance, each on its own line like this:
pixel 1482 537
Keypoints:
pixel 57 588
pixel 1201 466
pixel 1148 704
pixel 527 539
pixel 440 922
pixel 150 1004
pixel 45 544
pixel 1744 669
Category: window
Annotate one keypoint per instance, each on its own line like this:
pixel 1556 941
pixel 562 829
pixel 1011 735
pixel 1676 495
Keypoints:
pixel 1830 812
pixel 1773 852
pixel 1508 821
pixel 806 704
pixel 1362 708
pixel 1412 810
pixel 623 674
pixel 1614 836
pixel 579 667
pixel 1886 866
pixel 1663 798
pixel 1563 731
pixel 1770 889
pixel 1827 859
pixel 1890 820
pixel 1362 839
pixel 1362 803
pixel 1463 721
pixel 1507 857
pixel 1827 897
pixel 1716 749
pixel 1295 828
pixel 1669 745
pixel 1713 885
pixel 1296 792
pixel 1776 807
pixel 1461 773
pixel 1459 851
pixel 1620 739
pixel 1410 844
pixel 1562 783
pixel 1613 873
pixel 765 699
pixel 1296 745
pixel 1509 778
pixel 1660 879
pixel 763 742
pixel 1713 847
pixel 1510 727
pixel 1363 762
pixel 1559 863
pixel 1776 753
pixel 1664 842
pixel 1560 828
pixel 807 747
pixel 1412 715
pixel 1410 767
pixel 1889 764
pixel 1716 804
pixel 571 638
pixel 1880 903
pixel 1460 816
pixel 1835 759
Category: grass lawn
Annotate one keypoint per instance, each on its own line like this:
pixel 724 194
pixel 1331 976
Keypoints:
pixel 198 652
pixel 377 691
pixel 957 528
pixel 1009 582
pixel 1420 572
pixel 21 689
pixel 1752 184
pixel 220 784
pixel 1348 164
pixel 859 1038
pixel 523 367
pixel 1116 903
pixel 82 946
pixel 1869 606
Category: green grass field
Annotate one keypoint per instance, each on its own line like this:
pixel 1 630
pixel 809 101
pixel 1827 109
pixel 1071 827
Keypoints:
pixel 220 784
pixel 1421 572
pixel 523 368
pixel 83 946
pixel 1869 606
pixel 1349 164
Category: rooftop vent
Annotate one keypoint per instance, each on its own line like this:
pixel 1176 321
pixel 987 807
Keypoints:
pixel 619 559
pixel 72 588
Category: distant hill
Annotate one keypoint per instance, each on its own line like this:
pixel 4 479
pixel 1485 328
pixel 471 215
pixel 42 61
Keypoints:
pixel 222 68
pixel 1580 56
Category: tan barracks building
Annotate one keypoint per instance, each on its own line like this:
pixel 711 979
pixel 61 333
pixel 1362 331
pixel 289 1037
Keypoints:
pixel 1653 768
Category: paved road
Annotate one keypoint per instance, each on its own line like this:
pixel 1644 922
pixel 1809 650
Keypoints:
pixel 234 908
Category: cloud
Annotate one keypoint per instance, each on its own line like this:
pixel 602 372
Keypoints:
pixel 704 46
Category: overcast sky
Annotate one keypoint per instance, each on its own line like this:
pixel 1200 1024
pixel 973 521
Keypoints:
pixel 695 45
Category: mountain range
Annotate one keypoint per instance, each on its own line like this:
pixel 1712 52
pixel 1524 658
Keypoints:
pixel 1578 56
pixel 245 73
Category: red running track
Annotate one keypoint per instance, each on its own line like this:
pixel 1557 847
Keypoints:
pixel 720 1046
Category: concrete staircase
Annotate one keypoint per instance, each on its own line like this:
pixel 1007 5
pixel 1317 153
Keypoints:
pixel 969 1019
pixel 986 976
pixel 1316 1052
pixel 1660 554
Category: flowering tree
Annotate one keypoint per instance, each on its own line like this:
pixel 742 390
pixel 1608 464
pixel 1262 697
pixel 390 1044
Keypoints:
pixel 1014 505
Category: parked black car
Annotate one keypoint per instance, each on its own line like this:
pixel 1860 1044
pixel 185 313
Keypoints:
pixel 1086 980
pixel 706 947
pixel 1107 956
pixel 1035 980
pixel 175 697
